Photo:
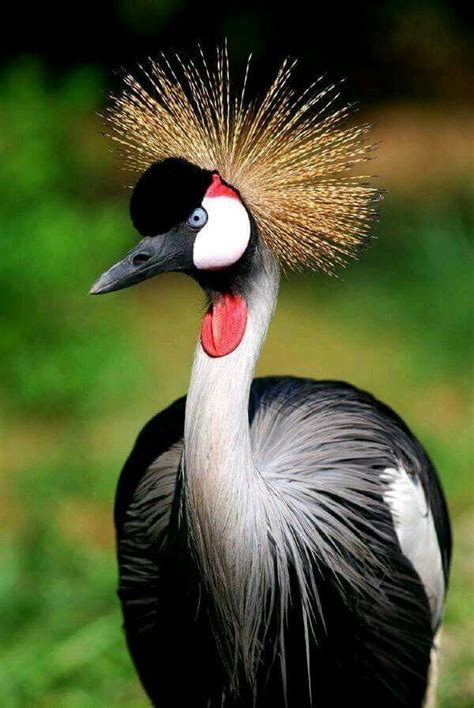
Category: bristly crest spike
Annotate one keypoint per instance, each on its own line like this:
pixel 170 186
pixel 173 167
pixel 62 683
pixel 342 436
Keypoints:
pixel 288 154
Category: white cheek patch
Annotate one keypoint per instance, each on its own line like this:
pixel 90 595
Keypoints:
pixel 223 240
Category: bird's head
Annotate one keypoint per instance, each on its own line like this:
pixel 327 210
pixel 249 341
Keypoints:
pixel 190 221
pixel 222 179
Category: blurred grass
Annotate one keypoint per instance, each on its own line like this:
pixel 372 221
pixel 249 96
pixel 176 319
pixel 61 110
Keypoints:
pixel 81 375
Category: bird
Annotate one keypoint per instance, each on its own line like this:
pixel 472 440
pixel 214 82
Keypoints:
pixel 281 541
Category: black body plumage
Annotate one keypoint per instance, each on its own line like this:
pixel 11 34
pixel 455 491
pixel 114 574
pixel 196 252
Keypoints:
pixel 361 652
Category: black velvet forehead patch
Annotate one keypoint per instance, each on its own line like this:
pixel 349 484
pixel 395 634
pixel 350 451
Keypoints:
pixel 166 194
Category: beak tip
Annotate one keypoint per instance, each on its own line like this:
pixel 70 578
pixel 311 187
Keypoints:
pixel 95 289
pixel 101 285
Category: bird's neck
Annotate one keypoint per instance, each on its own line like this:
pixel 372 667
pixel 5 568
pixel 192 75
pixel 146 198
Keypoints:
pixel 217 438
pixel 222 487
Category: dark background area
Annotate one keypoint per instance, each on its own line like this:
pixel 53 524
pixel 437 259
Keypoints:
pixel 387 50
pixel 80 376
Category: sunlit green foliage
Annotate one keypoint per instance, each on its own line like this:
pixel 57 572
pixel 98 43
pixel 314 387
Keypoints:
pixel 55 228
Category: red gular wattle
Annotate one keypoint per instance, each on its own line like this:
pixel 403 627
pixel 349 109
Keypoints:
pixel 223 326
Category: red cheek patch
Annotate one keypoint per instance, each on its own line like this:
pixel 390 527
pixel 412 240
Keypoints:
pixel 224 325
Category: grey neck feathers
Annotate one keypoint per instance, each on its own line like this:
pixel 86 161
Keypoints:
pixel 224 491
pixel 249 524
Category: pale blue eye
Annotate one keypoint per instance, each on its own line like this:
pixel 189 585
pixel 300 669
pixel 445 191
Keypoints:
pixel 198 218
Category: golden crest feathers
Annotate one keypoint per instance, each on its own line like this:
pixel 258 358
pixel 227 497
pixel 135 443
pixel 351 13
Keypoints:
pixel 288 155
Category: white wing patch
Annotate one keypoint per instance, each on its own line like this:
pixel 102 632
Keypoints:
pixel 416 534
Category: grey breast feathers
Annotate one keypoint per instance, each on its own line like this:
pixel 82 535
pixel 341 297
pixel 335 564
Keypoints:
pixel 341 461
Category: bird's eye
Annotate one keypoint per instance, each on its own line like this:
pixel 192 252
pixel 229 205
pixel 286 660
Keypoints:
pixel 198 218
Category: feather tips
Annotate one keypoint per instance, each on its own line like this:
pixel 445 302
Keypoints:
pixel 289 155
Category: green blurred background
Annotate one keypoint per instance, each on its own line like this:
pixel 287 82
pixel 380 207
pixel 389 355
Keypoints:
pixel 80 376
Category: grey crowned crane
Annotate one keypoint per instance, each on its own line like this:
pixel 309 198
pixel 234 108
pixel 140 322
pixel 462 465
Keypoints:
pixel 281 541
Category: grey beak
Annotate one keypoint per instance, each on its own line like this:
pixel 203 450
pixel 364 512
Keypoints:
pixel 153 255
pixel 133 268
